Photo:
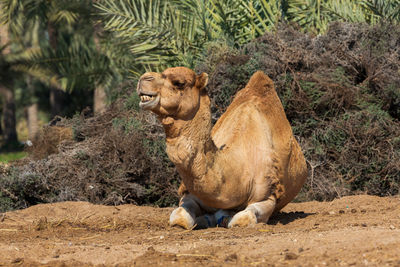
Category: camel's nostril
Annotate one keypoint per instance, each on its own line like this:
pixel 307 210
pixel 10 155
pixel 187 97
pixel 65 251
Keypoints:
pixel 144 79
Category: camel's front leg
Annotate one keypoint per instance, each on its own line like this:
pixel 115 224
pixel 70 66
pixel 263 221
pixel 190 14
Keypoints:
pixel 190 208
pixel 254 213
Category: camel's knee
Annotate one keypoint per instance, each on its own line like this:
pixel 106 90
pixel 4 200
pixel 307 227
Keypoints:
pixel 242 219
pixel 181 217
pixel 192 204
pixel 258 212
pixel 263 210
pixel 185 215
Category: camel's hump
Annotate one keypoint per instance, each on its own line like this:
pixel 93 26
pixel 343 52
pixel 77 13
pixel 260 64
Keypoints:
pixel 260 83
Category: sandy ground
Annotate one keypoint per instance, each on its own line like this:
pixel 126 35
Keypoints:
pixel 352 231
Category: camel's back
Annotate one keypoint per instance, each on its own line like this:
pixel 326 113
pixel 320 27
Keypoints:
pixel 256 119
pixel 258 98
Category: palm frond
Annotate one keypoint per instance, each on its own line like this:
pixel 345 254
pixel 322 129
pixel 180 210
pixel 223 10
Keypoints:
pixel 383 9
pixel 264 15
pixel 156 30
pixel 346 10
pixel 309 15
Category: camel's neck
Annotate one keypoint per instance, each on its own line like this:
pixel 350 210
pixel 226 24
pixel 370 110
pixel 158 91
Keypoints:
pixel 189 144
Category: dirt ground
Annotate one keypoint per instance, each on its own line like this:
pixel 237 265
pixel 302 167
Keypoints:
pixel 357 230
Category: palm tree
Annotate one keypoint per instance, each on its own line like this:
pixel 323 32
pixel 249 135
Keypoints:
pixel 315 15
pixel 3 43
pixel 70 43
pixel 8 106
pixel 15 65
pixel 63 32
pixel 162 33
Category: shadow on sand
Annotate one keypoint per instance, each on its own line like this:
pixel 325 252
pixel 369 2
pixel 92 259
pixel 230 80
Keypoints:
pixel 287 217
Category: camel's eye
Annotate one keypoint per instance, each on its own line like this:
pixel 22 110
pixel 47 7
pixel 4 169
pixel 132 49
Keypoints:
pixel 148 78
pixel 179 84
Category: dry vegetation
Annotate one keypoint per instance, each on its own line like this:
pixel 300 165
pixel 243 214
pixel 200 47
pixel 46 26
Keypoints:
pixel 341 93
pixel 113 158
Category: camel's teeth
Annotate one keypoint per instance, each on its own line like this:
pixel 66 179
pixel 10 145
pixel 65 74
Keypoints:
pixel 146 98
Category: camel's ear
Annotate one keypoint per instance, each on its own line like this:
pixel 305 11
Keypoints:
pixel 201 80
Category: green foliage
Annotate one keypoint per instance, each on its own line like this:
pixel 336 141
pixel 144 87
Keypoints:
pixel 312 92
pixel 163 33
pixel 382 9
pixel 155 148
pixel 242 21
pixel 57 12
pixel 127 125
pixel 57 38
pixel 54 44
pixel 132 102
pixel 315 15
pixel 155 31
pixel 309 15
pixel 10 156
pixel 79 65
pixel 20 62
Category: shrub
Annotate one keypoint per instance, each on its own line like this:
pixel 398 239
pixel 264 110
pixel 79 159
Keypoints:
pixel 21 189
pixel 114 158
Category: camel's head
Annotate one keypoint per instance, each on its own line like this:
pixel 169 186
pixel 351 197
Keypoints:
pixel 174 92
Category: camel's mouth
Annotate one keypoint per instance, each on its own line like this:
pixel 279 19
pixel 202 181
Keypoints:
pixel 148 100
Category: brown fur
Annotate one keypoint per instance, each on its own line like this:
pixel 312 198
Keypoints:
pixel 249 155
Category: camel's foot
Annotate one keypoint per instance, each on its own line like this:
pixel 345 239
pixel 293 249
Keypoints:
pixel 258 212
pixel 180 217
pixel 242 219
pixel 223 217
pixel 205 221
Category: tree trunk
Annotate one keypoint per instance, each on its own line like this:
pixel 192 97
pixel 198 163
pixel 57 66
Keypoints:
pixel 52 31
pixel 4 38
pixel 57 102
pixel 99 101
pixel 32 119
pixel 57 96
pixel 7 114
pixel 1 129
pixel 9 121
pixel 31 111
pixel 99 97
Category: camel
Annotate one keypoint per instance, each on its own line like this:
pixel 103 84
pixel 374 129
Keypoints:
pixel 237 173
